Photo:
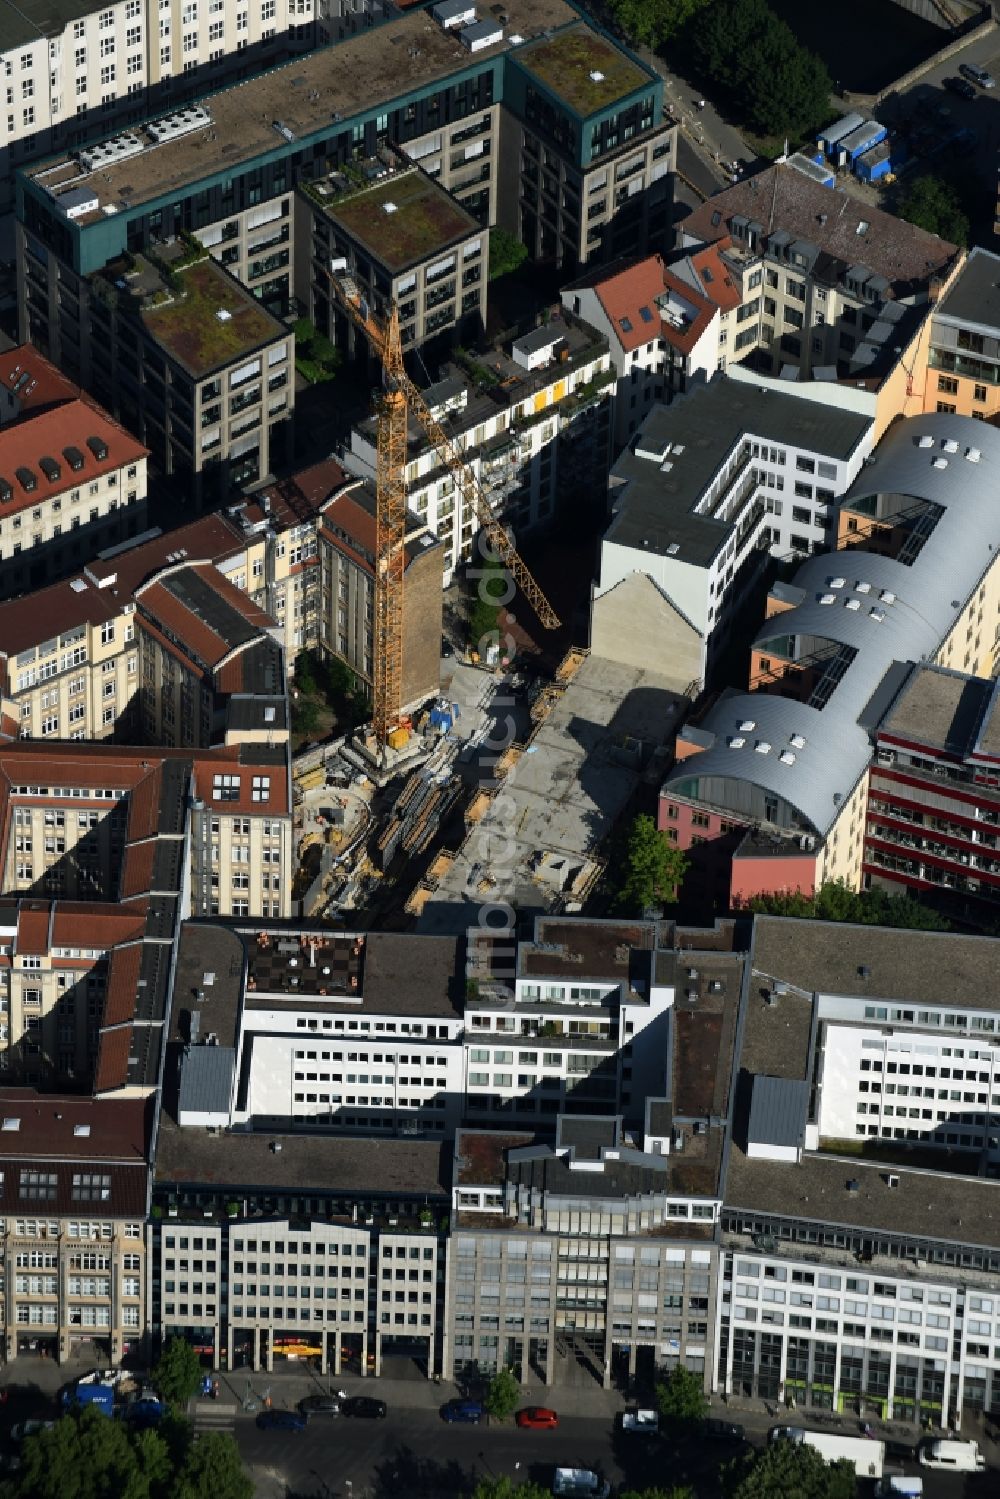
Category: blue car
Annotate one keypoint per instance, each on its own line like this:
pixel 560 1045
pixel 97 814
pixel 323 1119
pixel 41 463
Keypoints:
pixel 281 1421
pixel 463 1410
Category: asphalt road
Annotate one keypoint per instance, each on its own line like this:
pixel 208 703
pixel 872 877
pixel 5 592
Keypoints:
pixel 413 1455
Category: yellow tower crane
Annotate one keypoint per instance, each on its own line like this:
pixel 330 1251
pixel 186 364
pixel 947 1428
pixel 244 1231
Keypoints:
pixel 400 395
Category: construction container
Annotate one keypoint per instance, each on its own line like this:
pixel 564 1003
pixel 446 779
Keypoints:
pixel 399 739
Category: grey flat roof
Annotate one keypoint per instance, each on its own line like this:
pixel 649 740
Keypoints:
pixel 414 975
pixel 778 1111
pixel 208 950
pixel 655 509
pixel 309 95
pixel 938 968
pixel 207 1079
pixel 939 707
pixel 26 21
pixel 321 1163
pixel 974 296
pixel 924 1204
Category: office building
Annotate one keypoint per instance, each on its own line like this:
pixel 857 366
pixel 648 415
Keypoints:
pixel 182 354
pixel 770 787
pixel 726 476
pixel 401 239
pixel 532 424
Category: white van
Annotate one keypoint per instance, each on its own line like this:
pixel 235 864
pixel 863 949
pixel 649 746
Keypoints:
pixel 960 1457
pixel 898 1486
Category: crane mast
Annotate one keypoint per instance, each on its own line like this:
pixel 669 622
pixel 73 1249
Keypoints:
pixel 399 396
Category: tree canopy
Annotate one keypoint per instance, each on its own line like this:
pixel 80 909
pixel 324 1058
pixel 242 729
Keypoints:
pixel 506 253
pixel 177 1375
pixel 834 901
pixel 933 204
pixel 653 867
pixel 784 1469
pixel 681 1397
pixel 654 22
pixel 675 1491
pixel 503 1395
pixel 778 86
pixel 87 1456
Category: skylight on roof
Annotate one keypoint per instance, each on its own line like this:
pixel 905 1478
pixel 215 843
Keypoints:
pixel 645 314
pixel 625 324
pixel 706 274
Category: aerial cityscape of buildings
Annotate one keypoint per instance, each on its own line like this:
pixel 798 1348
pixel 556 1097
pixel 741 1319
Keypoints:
pixel 329 1033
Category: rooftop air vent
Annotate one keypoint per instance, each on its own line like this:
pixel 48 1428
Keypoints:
pixel 673 549
pixel 949 445
pixel 389 208
pixel 837 582
pixel 797 741
pixel 925 441
pixel 939 462
pixel 762 747
pixel 973 455
pixel 787 757
pixel 853 604
pixel 827 598
pixel 596 76
pixel 737 741
pixel 748 725
pixel 862 587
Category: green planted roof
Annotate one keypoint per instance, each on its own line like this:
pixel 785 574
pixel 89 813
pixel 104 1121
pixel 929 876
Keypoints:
pixel 403 219
pixel 188 327
pixel 566 63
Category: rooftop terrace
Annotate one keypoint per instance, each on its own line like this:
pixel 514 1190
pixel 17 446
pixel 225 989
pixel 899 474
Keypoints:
pixel 583 69
pixel 401 219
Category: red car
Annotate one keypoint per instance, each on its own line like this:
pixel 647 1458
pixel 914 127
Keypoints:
pixel 537 1417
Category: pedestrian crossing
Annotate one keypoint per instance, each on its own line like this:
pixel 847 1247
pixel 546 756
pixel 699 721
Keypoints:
pixel 214 1415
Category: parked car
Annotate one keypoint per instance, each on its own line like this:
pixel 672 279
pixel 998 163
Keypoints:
pixel 470 1411
pixel 281 1421
pixel 537 1417
pixel 25 1429
pixel 726 1431
pixel 976 74
pixel 366 1407
pixel 960 86
pixel 320 1405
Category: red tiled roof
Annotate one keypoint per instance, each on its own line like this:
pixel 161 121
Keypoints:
pixel 123 976
pixel 245 769
pixel 45 435
pixel 204 643
pixel 113 1050
pixel 144 802
pixel 92 924
pixel 206 540
pixel 623 293
pixel 44 386
pixel 299 498
pixel 345 514
pixel 67 1126
pixel 713 273
pixel 33 928
pixel 137 870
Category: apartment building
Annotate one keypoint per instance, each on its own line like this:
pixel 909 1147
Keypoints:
pixel 68 78
pixel 180 352
pixel 933 803
pixel 533 424
pixel 226 169
pixel 963 363
pixel 72 482
pixel 770 787
pixel 830 285
pixel 881 1299
pixel 726 476
pixel 401 239
pixel 667 326
pixel 74 1249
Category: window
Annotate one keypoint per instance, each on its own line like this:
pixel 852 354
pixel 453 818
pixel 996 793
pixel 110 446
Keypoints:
pixel 261 788
pixel 38 1186
pixel 226 788
pixel 948 384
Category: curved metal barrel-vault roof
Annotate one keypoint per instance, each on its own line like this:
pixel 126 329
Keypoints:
pixel 885 610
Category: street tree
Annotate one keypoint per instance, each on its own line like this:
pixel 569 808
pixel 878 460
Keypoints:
pixel 783 1469
pixel 212 1470
pixel 835 901
pixel 777 85
pixel 675 1491
pixel 177 1375
pixel 681 1398
pixel 507 253
pixel 653 867
pixel 933 204
pixel 86 1456
pixel 503 1395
